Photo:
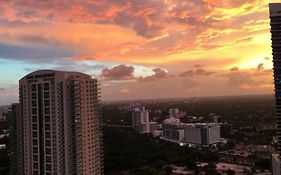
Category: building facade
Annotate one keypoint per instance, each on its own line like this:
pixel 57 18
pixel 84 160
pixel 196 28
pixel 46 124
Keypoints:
pixel 140 120
pixel 60 124
pixel 15 141
pixel 275 23
pixel 172 129
pixel 174 112
pixel 202 134
pixel 153 126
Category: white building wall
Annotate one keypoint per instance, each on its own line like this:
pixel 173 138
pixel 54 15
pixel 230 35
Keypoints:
pixel 214 135
pixel 140 120
pixel 192 135
pixel 181 134
pixel 173 112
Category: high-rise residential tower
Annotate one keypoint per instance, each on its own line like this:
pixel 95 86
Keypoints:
pixel 140 120
pixel 15 141
pixel 60 121
pixel 275 23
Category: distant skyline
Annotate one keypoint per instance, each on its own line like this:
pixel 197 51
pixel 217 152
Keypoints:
pixel 140 49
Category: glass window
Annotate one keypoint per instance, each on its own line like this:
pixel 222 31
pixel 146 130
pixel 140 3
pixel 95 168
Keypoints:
pixel 48 135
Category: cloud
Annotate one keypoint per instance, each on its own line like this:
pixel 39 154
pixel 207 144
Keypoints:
pixel 120 72
pixel 84 57
pixel 137 15
pixel 156 28
pixel 34 54
pixel 137 23
pixel 124 91
pixel 158 74
pixel 246 79
pixel 203 72
pixel 261 71
pixel 247 39
pixel 187 73
pixel 260 67
pixel 162 88
pixel 8 94
pixel 234 68
pixel 92 36
pixel 267 58
pixel 41 40
pixel 197 71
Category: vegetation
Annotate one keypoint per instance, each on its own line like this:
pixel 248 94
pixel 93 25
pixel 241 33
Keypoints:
pixel 125 149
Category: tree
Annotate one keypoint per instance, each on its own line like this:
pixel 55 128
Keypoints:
pixel 210 169
pixel 230 172
pixel 168 170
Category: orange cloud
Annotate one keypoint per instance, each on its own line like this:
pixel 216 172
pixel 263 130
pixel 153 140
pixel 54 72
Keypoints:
pixel 170 35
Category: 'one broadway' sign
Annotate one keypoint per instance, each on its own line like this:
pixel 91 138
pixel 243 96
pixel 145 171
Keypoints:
pixel 40 76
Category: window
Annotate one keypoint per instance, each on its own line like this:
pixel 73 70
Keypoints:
pixel 34 118
pixel 48 142
pixel 48 167
pixel 46 102
pixel 34 134
pixel 46 86
pixel 34 103
pixel 34 126
pixel 35 150
pixel 35 157
pixel 47 118
pixel 47 110
pixel 48 150
pixel 33 96
pixel 48 135
pixel 46 94
pixel 33 87
pixel 48 159
pixel 34 111
pixel 47 126
pixel 34 142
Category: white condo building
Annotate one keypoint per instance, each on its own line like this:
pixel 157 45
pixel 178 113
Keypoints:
pixel 174 112
pixel 172 129
pixel 140 120
pixel 60 124
pixel 202 133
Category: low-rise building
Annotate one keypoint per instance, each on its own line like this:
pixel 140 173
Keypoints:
pixel 202 133
pixel 173 129
pixel 2 146
pixel 157 133
pixel 153 126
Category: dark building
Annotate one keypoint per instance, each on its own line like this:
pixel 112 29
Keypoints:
pixel 15 144
pixel 275 23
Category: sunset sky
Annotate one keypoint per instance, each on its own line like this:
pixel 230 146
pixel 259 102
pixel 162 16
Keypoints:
pixel 140 49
